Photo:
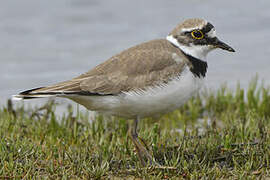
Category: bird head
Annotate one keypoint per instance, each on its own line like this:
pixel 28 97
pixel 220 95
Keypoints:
pixel 197 37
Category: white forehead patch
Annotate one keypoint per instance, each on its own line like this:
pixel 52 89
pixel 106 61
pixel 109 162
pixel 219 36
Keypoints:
pixel 212 33
pixel 191 29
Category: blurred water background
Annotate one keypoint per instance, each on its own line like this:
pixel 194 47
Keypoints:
pixel 44 42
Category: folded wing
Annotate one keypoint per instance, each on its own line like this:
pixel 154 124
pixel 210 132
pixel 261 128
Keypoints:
pixel 145 65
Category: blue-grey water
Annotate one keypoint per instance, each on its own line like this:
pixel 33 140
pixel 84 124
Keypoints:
pixel 44 42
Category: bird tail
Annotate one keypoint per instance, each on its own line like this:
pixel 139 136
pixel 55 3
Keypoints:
pixel 34 93
pixel 61 89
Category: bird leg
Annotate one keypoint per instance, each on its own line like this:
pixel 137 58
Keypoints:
pixel 144 156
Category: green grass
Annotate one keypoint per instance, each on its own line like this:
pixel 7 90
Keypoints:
pixel 215 135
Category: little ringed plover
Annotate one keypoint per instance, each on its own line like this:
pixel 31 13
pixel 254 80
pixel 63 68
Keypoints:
pixel 151 78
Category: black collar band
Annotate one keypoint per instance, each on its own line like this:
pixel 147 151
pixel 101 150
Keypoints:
pixel 199 67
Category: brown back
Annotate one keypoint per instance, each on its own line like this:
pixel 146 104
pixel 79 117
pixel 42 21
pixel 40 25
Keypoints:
pixel 144 65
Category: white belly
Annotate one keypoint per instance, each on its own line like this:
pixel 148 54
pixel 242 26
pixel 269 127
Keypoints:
pixel 151 102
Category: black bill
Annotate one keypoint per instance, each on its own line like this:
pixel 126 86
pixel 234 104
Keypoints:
pixel 219 44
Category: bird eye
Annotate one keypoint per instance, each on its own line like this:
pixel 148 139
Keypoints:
pixel 197 34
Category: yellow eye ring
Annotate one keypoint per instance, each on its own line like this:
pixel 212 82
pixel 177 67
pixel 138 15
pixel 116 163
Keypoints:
pixel 197 34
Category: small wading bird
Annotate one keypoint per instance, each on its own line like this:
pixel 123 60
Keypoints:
pixel 145 80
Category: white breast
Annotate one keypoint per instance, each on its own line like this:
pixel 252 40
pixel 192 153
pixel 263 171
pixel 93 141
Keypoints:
pixel 166 98
pixel 150 102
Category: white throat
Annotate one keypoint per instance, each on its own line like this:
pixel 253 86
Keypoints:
pixel 196 51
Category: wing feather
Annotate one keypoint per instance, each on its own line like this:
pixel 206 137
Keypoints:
pixel 141 66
